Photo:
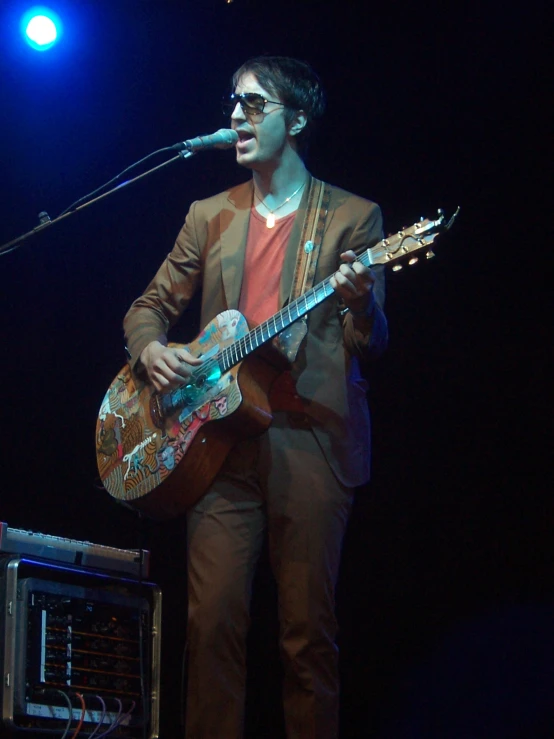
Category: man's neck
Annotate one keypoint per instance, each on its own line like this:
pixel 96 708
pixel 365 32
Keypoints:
pixel 274 184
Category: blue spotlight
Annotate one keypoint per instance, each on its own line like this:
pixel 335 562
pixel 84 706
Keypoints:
pixel 41 28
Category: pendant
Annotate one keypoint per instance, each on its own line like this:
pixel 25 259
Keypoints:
pixel 270 220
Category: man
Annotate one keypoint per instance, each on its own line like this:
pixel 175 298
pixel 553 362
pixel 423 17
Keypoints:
pixel 297 479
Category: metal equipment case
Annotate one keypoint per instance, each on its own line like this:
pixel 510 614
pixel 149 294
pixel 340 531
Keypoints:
pixel 79 638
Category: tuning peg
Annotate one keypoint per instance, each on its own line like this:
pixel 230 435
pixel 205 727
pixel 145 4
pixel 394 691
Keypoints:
pixel 397 268
pixel 412 261
pixel 430 254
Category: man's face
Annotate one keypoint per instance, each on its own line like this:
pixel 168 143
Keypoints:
pixel 263 136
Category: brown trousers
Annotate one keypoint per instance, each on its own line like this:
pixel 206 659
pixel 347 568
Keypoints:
pixel 279 483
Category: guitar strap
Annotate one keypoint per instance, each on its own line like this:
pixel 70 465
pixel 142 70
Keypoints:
pixel 319 197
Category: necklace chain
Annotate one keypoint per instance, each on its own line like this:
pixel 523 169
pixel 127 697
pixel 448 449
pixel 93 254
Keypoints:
pixel 270 220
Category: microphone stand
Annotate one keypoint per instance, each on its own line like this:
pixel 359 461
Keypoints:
pixel 45 221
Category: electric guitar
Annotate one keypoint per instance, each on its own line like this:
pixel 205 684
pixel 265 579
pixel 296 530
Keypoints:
pixel 159 452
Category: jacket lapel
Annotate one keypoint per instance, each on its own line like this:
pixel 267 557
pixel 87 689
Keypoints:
pixel 233 223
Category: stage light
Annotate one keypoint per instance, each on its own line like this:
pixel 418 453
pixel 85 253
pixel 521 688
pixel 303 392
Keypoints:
pixel 41 28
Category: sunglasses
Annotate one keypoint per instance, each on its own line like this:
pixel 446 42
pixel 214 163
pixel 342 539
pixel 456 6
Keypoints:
pixel 251 103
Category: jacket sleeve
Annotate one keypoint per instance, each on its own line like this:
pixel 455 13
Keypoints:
pixel 366 336
pixel 152 314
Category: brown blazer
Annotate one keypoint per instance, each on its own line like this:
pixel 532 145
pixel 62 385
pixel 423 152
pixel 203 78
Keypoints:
pixel 209 254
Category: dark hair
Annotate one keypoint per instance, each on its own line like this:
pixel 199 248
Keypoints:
pixel 294 82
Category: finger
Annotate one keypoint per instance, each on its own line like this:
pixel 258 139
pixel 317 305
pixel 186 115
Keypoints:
pixel 364 280
pixel 168 368
pixel 348 256
pixel 353 273
pixel 185 356
pixel 361 276
pixel 180 362
pixel 343 285
pixel 353 284
pixel 178 359
pixel 360 268
pixel 347 271
pixel 160 383
pixel 166 379
pixel 182 373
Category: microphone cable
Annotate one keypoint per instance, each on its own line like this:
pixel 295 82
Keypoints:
pixel 90 195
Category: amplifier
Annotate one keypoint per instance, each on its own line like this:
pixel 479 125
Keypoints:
pixel 79 651
pixel 134 562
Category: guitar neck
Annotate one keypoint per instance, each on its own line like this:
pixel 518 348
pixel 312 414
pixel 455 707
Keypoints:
pixel 388 251
pixel 294 310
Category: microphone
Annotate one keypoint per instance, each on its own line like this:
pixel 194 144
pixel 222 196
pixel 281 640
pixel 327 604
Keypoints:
pixel 225 138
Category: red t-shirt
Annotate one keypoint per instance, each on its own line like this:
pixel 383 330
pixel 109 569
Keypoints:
pixel 263 265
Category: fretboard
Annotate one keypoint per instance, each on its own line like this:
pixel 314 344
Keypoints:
pixel 265 331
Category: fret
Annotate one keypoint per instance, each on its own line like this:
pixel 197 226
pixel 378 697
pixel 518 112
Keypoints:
pixel 229 356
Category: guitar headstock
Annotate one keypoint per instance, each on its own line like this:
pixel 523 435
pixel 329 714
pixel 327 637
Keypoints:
pixel 402 246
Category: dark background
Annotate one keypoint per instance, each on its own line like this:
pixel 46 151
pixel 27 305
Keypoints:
pixel 446 597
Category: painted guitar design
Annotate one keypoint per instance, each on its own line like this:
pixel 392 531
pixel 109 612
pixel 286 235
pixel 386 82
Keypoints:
pixel 159 452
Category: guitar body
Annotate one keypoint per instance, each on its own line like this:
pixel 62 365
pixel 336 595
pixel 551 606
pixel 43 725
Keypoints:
pixel 160 452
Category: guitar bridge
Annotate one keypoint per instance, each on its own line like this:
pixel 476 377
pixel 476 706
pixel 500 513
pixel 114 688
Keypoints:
pixel 156 410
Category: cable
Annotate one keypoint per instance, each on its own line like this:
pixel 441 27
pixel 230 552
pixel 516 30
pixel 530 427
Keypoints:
pixel 114 179
pixel 115 722
pixel 83 712
pixel 68 701
pixel 102 717
pixel 126 714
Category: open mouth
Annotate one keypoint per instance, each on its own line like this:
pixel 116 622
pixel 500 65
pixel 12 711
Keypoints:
pixel 244 136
